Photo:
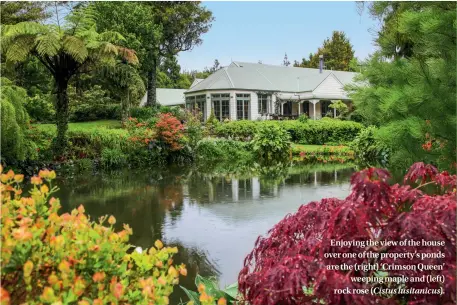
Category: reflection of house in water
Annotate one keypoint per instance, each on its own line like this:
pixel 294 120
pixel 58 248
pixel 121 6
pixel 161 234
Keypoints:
pixel 231 189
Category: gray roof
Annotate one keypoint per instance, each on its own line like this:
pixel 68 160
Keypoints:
pixel 167 97
pixel 262 77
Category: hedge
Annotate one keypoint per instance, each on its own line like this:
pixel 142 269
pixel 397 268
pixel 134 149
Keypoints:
pixel 328 131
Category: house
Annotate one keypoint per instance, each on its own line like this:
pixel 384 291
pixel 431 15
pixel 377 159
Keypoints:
pixel 251 91
pixel 167 97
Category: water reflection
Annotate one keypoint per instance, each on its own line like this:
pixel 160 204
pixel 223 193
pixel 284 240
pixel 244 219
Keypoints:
pixel 214 219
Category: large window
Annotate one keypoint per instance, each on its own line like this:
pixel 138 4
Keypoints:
pixel 196 104
pixel 221 106
pixel 242 106
pixel 264 100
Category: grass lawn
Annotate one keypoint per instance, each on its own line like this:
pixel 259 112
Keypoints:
pixel 83 125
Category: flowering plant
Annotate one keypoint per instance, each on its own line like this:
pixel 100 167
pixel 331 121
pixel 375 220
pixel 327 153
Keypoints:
pixel 169 130
pixel 47 258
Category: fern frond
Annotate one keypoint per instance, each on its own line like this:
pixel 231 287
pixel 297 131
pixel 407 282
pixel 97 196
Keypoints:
pixel 23 28
pixel 18 49
pixel 111 36
pixel 129 55
pixel 48 44
pixel 75 47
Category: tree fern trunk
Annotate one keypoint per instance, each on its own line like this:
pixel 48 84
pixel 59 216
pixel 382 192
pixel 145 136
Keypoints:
pixel 152 82
pixel 125 108
pixel 62 115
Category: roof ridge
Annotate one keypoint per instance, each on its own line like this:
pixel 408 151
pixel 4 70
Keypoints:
pixel 229 78
pixel 264 77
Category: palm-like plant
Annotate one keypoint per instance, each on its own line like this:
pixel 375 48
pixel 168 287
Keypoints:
pixel 65 50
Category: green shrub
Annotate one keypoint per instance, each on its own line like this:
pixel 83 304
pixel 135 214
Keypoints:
pixel 213 150
pixel 143 113
pixel 94 112
pixel 317 132
pixel 271 142
pixel 14 122
pixel 238 130
pixel 40 108
pixel 52 258
pixel 303 118
pixel 113 158
pixel 369 150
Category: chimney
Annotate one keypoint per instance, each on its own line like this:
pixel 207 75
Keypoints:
pixel 321 63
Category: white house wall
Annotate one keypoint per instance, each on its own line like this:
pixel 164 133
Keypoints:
pixel 331 88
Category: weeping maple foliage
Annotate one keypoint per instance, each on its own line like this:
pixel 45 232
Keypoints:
pixel 288 266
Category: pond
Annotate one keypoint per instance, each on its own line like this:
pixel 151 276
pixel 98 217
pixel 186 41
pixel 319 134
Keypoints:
pixel 213 219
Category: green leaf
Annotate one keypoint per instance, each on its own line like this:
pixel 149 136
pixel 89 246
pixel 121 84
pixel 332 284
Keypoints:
pixel 192 295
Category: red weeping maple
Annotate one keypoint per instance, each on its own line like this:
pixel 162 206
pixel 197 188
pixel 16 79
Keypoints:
pixel 291 257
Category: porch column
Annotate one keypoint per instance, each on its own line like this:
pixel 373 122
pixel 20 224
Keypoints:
pixel 314 102
pixel 208 106
pixel 282 108
pixel 299 107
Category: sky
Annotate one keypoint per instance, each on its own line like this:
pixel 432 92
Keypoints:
pixel 265 31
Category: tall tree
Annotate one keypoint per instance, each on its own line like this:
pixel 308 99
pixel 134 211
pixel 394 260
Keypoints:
pixel 408 88
pixel 182 24
pixel 337 51
pixel 65 50
pixel 157 30
pixel 286 61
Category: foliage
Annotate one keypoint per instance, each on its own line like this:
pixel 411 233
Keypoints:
pixel 409 87
pixel 211 150
pixel 341 108
pixel 68 258
pixel 65 51
pixel 193 128
pixel 169 130
pixel 303 118
pixel 157 30
pixel 95 112
pixel 142 113
pixel 14 122
pixel 337 52
pixel 212 123
pixel 113 158
pixel 210 294
pixel 369 150
pixel 312 132
pixel 40 108
pixel 16 12
pixel 271 142
pixel 291 258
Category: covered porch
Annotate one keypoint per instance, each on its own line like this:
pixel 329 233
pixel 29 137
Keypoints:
pixel 314 108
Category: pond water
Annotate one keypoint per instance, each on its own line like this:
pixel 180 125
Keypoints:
pixel 214 219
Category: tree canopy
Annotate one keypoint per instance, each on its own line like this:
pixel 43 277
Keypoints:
pixel 408 88
pixel 337 51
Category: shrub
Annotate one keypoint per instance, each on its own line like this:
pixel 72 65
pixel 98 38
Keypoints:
pixel 238 130
pixel 143 113
pixel 303 118
pixel 341 108
pixel 113 158
pixel 318 132
pixel 40 108
pixel 14 122
pixel 94 112
pixel 194 129
pixel 169 130
pixel 220 150
pixel 68 258
pixel 368 150
pixel 271 142
pixel 289 266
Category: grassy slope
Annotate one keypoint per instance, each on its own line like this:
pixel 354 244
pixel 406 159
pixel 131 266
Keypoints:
pixel 83 125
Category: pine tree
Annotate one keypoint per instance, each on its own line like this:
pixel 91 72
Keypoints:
pixel 286 61
pixel 408 88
